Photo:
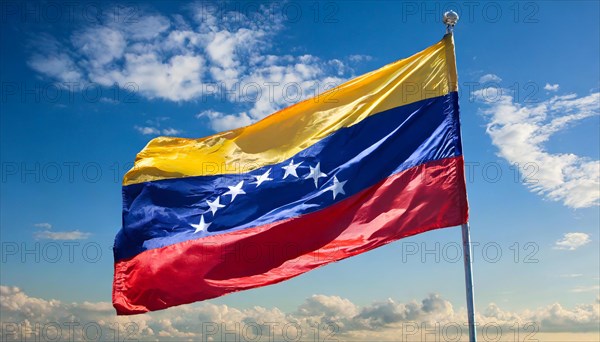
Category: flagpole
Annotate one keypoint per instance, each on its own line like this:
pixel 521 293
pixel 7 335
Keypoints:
pixel 450 19
pixel 466 237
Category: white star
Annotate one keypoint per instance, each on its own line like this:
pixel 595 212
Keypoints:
pixel 337 187
pixel 291 169
pixel 201 226
pixel 315 173
pixel 235 190
pixel 262 178
pixel 215 205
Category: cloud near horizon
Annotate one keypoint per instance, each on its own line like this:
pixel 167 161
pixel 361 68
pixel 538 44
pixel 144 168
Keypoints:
pixel 66 235
pixel 333 315
pixel 45 232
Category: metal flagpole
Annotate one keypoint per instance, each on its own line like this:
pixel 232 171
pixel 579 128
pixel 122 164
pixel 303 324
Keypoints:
pixel 450 19
pixel 466 237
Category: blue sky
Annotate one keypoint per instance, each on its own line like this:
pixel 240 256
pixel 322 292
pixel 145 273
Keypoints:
pixel 85 86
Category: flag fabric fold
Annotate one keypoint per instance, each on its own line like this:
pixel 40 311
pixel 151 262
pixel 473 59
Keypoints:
pixel 369 162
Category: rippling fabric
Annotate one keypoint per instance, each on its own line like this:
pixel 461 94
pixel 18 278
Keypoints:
pixel 314 183
pixel 161 213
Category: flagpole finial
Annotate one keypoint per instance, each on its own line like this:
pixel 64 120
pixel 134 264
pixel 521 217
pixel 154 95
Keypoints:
pixel 450 19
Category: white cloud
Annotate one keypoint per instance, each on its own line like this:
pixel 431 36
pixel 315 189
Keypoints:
pixel 46 233
pixel 359 58
pixel 558 318
pixel 146 27
pixel 489 78
pixel 59 67
pixel 99 45
pixel 67 235
pixel 327 307
pixel 572 241
pixel 551 87
pixel 173 59
pixel 378 321
pixel 571 275
pixel 223 122
pixel 170 131
pixel 389 313
pixel 108 100
pixel 282 85
pixel 178 78
pixel 593 288
pixel 154 127
pixel 520 132
pixel 146 130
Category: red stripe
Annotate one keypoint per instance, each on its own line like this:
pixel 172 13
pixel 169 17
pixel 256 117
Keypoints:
pixel 422 198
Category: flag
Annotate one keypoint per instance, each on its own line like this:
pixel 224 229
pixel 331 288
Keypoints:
pixel 371 161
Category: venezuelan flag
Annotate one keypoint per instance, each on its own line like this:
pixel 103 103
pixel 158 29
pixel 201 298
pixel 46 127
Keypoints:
pixel 372 161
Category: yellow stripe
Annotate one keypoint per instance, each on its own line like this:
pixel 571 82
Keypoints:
pixel 429 73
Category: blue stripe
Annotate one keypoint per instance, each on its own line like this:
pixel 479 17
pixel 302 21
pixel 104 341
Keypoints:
pixel 160 213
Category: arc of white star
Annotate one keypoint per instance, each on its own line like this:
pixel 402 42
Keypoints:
pixel 315 173
pixel 215 205
pixel 337 187
pixel 291 169
pixel 235 190
pixel 262 178
pixel 201 226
